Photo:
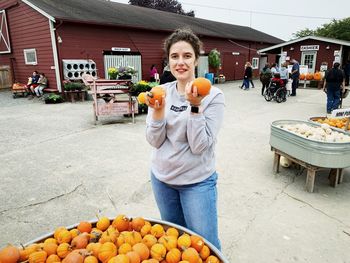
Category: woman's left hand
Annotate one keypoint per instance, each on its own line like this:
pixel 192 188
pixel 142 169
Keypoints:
pixel 192 95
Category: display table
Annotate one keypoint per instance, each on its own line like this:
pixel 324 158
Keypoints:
pixel 113 98
pixel 335 176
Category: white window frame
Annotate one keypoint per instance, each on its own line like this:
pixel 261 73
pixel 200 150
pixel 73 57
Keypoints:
pixel 255 63
pixel 28 51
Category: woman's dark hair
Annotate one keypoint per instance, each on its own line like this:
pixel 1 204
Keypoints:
pixel 336 65
pixel 183 34
pixel 153 66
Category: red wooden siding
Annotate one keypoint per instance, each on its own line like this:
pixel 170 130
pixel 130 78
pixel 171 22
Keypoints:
pixel 29 29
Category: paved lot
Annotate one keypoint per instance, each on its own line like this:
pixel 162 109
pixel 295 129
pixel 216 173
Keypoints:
pixel 58 168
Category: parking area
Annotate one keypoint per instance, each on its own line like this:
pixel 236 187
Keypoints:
pixel 58 168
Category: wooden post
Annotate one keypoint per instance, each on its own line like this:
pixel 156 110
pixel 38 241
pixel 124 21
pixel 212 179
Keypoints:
pixel 310 180
pixel 276 163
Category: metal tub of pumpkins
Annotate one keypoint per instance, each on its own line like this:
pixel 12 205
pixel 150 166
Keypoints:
pixel 336 123
pixel 314 143
pixel 116 240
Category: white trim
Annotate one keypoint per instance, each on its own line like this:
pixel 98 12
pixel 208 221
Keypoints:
pixel 324 39
pixel 39 10
pixel 2 22
pixel 55 55
pixel 256 66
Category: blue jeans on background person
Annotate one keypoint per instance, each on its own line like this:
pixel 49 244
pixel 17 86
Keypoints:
pixel 333 98
pixel 192 206
pixel 295 85
pixel 246 83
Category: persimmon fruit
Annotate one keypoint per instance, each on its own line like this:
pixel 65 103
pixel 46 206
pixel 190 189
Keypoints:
pixel 203 86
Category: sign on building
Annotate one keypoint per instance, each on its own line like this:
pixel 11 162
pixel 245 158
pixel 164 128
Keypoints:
pixel 309 47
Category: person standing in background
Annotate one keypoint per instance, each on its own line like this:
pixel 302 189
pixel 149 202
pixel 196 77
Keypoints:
pixel 295 76
pixel 248 74
pixel 284 74
pixel 347 72
pixel 334 82
pixel 152 72
pixel 265 77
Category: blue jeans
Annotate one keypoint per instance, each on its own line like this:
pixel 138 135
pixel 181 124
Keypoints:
pixel 246 83
pixel 192 206
pixel 333 98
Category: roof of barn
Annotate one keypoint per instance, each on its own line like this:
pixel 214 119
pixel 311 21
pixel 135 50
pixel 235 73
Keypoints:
pixel 117 14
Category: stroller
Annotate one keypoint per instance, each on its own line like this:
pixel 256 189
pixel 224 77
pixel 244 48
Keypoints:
pixel 276 90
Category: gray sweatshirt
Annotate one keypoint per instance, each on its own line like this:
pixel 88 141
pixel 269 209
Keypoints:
pixel 184 143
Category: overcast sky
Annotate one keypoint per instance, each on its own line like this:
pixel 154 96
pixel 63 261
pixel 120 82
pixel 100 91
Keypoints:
pixel 274 17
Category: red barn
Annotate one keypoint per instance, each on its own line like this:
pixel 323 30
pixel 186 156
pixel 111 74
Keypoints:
pixel 64 38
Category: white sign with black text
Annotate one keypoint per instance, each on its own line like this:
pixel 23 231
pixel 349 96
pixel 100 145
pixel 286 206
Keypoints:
pixel 341 113
pixel 309 47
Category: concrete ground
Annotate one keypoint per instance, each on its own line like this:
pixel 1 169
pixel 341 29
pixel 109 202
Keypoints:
pixel 58 168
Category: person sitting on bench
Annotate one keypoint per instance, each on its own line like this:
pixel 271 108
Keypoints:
pixel 42 85
pixel 32 82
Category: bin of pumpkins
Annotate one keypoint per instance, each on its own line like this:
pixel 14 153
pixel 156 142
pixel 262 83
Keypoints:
pixel 337 123
pixel 116 240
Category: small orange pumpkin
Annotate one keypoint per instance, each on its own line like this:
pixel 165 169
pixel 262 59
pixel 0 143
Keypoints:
pixel 157 230
pixel 53 258
pixel 212 259
pixel 37 257
pixel 158 251
pixel 103 223
pixel 84 226
pixel 173 256
pixel 205 252
pixel 64 236
pixel 309 76
pixel 317 76
pixel 9 254
pixel 197 242
pixel 50 248
pixel 191 255
pixel 90 259
pixel 107 251
pixel 133 256
pixel 124 248
pixel 172 231
pixel 121 223
pixel 149 240
pixel 302 76
pixel 142 250
pixel 137 223
pixel 63 250
pixel 184 241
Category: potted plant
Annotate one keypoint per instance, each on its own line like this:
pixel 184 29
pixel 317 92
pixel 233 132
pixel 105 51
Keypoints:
pixel 52 98
pixel 113 73
pixel 214 60
pixel 126 72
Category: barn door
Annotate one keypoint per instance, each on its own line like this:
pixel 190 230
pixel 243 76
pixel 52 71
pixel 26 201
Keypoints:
pixel 122 61
pixel 203 66
pixel 5 77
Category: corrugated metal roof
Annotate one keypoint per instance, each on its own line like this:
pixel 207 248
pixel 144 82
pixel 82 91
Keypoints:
pixel 112 13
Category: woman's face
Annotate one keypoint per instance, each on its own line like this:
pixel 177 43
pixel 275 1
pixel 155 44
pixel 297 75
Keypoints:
pixel 182 61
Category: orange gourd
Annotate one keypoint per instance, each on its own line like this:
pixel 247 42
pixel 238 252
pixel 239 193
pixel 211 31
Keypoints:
pixel 158 252
pixel 107 251
pixel 37 257
pixel 74 232
pixel 157 230
pixel 197 242
pixel 119 259
pixel 73 257
pixel 156 94
pixel 141 98
pixel 124 248
pixel 133 257
pixel 149 240
pixel 168 241
pixel 50 240
pixel 53 258
pixel 173 256
pixel 58 230
pixel 205 252
pixel 9 254
pixel 191 255
pixel 50 248
pixel 121 223
pixel 24 253
pixel 184 241
pixel 203 86
pixel 90 259
pixel 80 241
pixel 103 223
pixel 64 236
pixel 212 259
pixel 145 230
pixel 84 226
pixel 142 250
pixel 172 231
pixel 63 250
pixel 137 223
pixel 302 76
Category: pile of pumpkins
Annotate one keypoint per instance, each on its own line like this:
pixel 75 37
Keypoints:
pixel 338 123
pixel 311 76
pixel 120 240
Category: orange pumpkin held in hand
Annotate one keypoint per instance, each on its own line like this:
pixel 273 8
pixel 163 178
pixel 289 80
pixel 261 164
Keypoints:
pixel 156 93
pixel 141 98
pixel 203 86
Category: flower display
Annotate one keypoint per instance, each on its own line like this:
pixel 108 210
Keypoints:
pixel 122 72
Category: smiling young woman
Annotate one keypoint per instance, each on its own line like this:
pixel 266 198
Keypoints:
pixel 183 127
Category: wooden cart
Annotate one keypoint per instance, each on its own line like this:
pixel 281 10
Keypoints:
pixel 113 98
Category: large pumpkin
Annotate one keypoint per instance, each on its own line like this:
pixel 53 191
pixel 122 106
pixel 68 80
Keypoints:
pixel 302 76
pixel 317 76
pixel 309 76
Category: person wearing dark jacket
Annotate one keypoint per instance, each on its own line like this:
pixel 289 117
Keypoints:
pixel 334 82
pixel 248 74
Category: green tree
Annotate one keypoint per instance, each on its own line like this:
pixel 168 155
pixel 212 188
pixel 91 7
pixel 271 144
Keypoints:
pixel 171 6
pixel 339 29
pixel 214 60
